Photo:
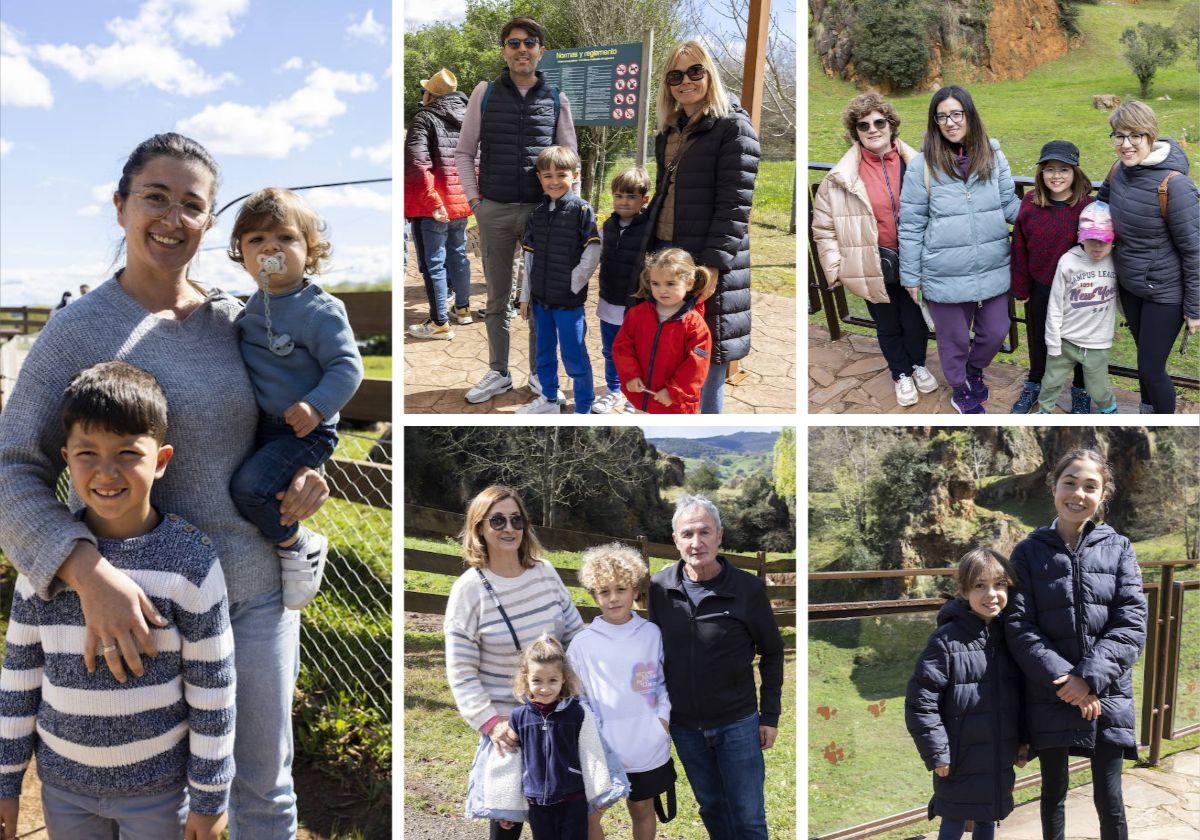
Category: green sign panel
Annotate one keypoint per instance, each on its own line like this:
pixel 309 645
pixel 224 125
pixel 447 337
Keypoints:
pixel 603 84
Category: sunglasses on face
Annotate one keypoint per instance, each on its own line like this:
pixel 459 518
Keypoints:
pixel 864 126
pixel 497 520
pixel 696 72
pixel 515 43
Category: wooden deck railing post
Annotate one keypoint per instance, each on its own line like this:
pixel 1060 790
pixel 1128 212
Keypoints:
pixel 1161 665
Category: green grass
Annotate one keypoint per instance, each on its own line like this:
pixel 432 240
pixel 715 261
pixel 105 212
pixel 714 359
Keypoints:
pixel 1053 102
pixel 377 367
pixel 438 748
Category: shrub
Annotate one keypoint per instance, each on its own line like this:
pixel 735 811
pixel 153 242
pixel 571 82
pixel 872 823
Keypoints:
pixel 890 43
pixel 1148 48
pixel 1068 17
pixel 346 741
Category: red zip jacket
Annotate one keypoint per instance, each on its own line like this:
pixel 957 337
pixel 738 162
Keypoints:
pixel 673 354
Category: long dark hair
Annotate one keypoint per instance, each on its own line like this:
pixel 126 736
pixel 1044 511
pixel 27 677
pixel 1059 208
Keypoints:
pixel 939 152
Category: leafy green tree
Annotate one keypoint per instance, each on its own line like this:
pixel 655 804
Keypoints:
pixel 703 479
pixel 784 465
pixel 1187 30
pixel 890 42
pixel 1147 49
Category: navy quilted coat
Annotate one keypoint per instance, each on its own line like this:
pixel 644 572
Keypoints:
pixel 1156 259
pixel 714 188
pixel 1081 613
pixel 963 709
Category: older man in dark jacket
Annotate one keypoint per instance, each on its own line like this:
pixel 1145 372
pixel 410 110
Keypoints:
pixel 714 617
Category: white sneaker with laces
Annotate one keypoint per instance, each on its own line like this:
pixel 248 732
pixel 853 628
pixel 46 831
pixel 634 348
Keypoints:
pixel 609 402
pixel 302 574
pixel 535 385
pixel 925 381
pixel 906 391
pixel 493 383
pixel 541 406
pixel 431 330
pixel 462 315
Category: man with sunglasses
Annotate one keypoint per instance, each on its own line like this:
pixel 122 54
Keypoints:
pixel 714 618
pixel 508 122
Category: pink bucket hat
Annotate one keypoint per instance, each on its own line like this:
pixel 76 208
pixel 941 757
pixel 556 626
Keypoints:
pixel 1095 222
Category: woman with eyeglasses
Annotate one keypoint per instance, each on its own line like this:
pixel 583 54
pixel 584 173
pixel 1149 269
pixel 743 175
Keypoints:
pixel 856 216
pixel 707 154
pixel 152 314
pixel 957 203
pixel 507 598
pixel 1156 221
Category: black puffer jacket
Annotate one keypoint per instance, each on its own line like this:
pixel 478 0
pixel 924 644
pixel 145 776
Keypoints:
pixel 963 709
pixel 1157 259
pixel 430 172
pixel 714 188
pixel 1081 613
pixel 513 130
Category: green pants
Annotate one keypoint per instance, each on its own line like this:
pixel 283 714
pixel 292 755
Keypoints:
pixel 1095 376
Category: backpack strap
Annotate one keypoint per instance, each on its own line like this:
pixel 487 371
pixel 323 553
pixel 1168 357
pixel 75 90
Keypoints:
pixel 1162 194
pixel 483 102
pixel 554 94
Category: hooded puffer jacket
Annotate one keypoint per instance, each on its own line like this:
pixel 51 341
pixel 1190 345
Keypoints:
pixel 1157 259
pixel 1083 613
pixel 430 174
pixel 671 354
pixel 714 188
pixel 963 709
pixel 954 235
pixel 845 230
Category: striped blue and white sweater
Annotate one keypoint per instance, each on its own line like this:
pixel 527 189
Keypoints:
pixel 94 736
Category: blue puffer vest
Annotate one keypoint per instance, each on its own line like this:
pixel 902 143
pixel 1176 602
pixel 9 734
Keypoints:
pixel 963 709
pixel 1084 613
pixel 620 258
pixel 512 132
pixel 550 767
pixel 556 238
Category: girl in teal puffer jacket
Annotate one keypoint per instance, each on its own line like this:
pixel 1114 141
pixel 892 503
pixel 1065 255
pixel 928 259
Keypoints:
pixel 955 207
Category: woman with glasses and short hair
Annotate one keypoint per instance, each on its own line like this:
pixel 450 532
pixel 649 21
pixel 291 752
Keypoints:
pixel 507 598
pixel 957 202
pixel 1156 221
pixel 707 154
pixel 856 217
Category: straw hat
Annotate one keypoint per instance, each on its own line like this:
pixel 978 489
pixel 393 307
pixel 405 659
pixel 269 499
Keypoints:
pixel 440 83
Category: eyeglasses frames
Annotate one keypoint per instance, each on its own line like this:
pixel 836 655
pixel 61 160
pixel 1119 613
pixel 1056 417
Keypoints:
pixel 1118 140
pixel 952 117
pixel 497 521
pixel 158 204
pixel 696 72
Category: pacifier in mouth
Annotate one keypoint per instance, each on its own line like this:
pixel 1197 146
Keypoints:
pixel 281 345
pixel 272 263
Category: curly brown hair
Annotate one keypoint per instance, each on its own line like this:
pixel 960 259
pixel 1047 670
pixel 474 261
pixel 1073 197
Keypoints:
pixel 545 650
pixel 269 208
pixel 860 106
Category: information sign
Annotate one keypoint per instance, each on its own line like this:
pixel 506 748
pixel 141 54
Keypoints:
pixel 603 83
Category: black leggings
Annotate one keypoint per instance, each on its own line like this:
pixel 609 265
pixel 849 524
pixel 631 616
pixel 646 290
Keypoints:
pixel 495 832
pixel 1106 792
pixel 901 331
pixel 1035 329
pixel 1155 326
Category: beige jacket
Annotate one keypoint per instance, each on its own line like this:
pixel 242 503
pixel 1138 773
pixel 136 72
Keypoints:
pixel 845 231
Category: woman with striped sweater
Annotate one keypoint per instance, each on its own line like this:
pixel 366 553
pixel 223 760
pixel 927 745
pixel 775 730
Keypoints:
pixel 505 599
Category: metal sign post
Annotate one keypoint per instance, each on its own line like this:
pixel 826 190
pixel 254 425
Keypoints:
pixel 643 108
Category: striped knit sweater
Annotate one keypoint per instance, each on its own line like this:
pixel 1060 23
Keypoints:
pixel 94 736
pixel 480 656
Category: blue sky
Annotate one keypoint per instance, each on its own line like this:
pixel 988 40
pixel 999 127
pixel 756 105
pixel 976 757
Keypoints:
pixel 282 92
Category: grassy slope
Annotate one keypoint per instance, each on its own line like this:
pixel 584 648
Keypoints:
pixel 1053 101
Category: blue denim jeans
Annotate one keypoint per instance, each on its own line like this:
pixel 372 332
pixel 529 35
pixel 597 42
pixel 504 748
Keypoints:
pixel 278 455
pixel 70 816
pixel 726 770
pixel 953 830
pixel 608 334
pixel 563 331
pixel 712 395
pixel 442 260
pixel 266 651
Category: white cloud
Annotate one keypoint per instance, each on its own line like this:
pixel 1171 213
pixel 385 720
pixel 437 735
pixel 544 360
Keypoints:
pixel 144 50
pixel 351 196
pixel 5 146
pixel 380 155
pixel 88 210
pixel 103 193
pixel 417 15
pixel 44 285
pixel 293 63
pixel 275 130
pixel 368 29
pixel 21 84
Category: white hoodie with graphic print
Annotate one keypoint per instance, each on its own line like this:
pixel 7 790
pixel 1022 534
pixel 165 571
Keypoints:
pixel 1083 302
pixel 621 668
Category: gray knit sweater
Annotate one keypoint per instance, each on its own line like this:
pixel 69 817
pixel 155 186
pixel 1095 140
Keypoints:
pixel 211 420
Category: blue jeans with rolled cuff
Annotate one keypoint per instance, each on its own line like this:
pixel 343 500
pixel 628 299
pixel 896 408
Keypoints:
pixel 278 455
pixel 442 260
pixel 726 769
pixel 156 816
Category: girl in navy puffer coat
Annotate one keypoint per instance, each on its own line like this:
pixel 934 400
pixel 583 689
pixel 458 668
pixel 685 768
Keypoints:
pixel 963 706
pixel 1077 627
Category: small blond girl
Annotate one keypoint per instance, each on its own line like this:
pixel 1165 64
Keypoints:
pixel 663 349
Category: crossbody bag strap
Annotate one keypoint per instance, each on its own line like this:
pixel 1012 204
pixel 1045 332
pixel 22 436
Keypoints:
pixel 488 586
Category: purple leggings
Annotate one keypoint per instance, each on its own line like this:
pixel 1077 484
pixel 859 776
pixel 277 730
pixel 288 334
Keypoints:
pixel 955 322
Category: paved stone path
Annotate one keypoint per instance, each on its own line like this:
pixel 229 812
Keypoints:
pixel 1160 804
pixel 437 373
pixel 850 376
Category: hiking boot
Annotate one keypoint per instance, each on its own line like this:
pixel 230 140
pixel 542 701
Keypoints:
pixel 431 330
pixel 925 381
pixel 906 391
pixel 965 402
pixel 1028 398
pixel 1081 401
pixel 493 383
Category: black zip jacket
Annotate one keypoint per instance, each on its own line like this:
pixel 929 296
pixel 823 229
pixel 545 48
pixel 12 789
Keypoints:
pixel 708 651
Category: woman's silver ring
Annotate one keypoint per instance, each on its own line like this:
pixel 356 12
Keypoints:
pixel 107 649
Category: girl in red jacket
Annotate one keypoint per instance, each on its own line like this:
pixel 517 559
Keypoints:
pixel 662 352
pixel 1046 228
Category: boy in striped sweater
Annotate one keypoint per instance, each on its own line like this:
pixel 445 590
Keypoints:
pixel 150 756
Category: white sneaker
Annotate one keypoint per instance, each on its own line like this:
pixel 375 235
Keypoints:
pixel 925 381
pixel 302 575
pixel 906 391
pixel 491 385
pixel 609 402
pixel 541 406
pixel 535 385
pixel 431 330
pixel 462 315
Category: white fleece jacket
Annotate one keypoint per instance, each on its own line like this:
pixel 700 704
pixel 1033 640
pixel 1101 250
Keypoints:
pixel 1083 302
pixel 621 668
